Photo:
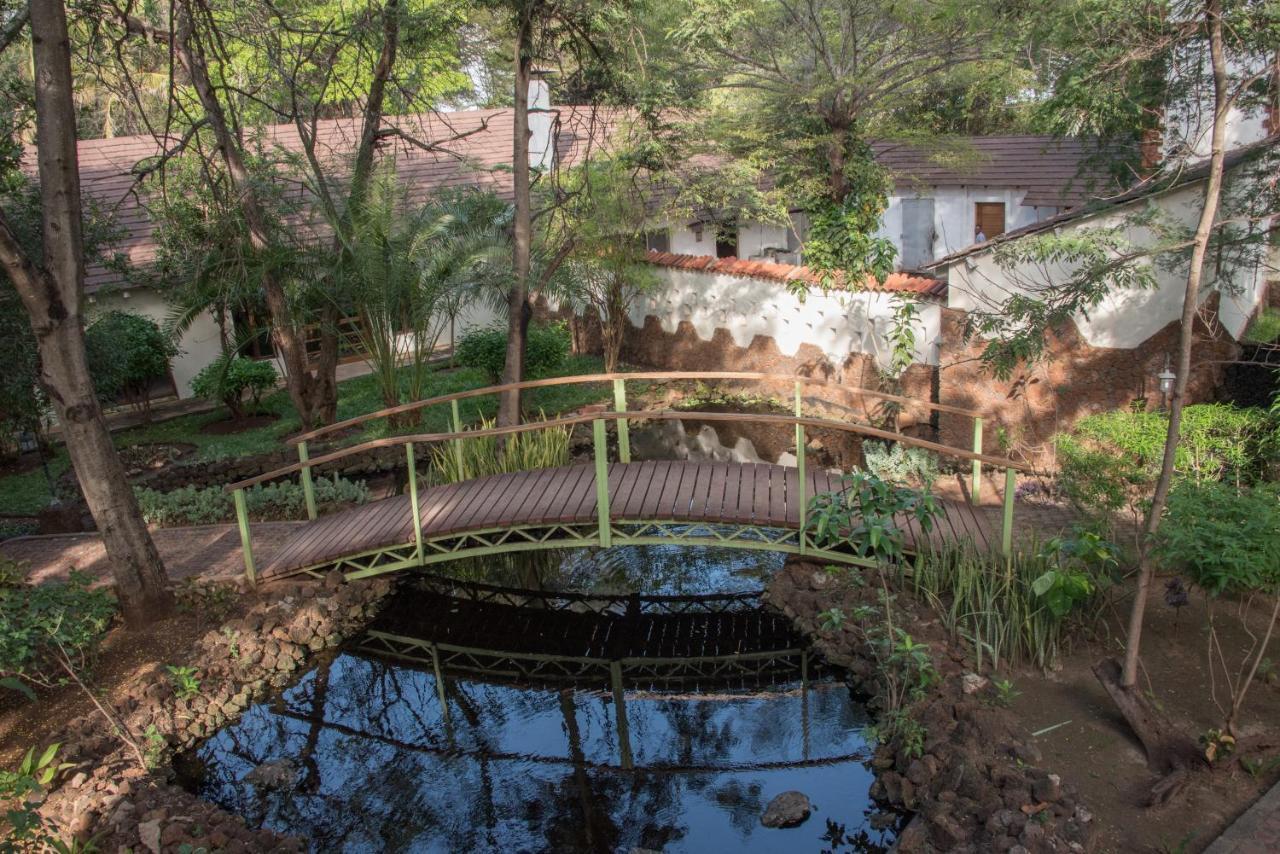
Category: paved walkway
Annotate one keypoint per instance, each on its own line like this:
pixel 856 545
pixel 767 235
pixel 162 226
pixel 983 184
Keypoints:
pixel 209 550
pixel 1255 832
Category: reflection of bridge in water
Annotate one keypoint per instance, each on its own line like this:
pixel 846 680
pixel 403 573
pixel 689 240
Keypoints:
pixel 661 645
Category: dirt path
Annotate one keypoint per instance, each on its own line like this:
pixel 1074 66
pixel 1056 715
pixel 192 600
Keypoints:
pixel 209 550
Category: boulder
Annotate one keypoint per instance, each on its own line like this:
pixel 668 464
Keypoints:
pixel 787 810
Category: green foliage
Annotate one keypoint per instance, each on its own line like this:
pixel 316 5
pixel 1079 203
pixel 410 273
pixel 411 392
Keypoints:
pixel 1226 539
pixel 228 379
pixel 843 234
pixel 1265 329
pixel 127 353
pixel 901 464
pixel 994 604
pixel 1006 693
pixel 193 505
pixel 48 627
pixel 482 457
pixel 1110 462
pixel 21 791
pixel 546 348
pixel 186 682
pixel 863 515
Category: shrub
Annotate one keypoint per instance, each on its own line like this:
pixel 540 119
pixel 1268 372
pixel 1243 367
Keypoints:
pixel 1110 462
pixel 127 353
pixel 1226 539
pixel 863 515
pixel 45 628
pixel 193 505
pixel 545 349
pixel 228 380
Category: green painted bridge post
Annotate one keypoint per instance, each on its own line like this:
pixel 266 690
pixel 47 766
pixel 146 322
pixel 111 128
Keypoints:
pixel 308 488
pixel 601 453
pixel 802 497
pixel 246 542
pixel 1006 530
pixel 624 429
pixel 620 711
pixel 457 428
pixel 975 485
pixel 413 497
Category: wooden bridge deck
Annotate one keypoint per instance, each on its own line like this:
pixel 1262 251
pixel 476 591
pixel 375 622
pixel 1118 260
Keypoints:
pixel 761 495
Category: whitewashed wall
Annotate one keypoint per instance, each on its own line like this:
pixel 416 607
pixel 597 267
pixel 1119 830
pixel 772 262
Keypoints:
pixel 838 324
pixel 1125 318
pixel 198 347
pixel 953 223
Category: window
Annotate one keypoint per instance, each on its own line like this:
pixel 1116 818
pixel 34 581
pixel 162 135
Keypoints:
pixel 988 218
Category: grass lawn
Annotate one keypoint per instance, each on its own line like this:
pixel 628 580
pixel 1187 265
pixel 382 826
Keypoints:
pixel 28 492
pixel 1266 329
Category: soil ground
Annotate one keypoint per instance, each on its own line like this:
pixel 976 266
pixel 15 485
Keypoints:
pixel 1093 748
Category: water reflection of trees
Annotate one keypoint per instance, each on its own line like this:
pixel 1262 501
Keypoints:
pixel 381 768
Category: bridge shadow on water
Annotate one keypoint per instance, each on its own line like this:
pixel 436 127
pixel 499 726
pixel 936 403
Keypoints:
pixel 634 698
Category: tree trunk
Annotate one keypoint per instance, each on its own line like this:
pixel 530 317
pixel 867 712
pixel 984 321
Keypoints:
pixel 289 341
pixel 1190 305
pixel 518 308
pixel 52 294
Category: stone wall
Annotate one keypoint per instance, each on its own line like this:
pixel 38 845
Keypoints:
pixel 125 803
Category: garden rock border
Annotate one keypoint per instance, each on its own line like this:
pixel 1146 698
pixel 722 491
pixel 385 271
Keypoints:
pixel 975 786
pixel 107 796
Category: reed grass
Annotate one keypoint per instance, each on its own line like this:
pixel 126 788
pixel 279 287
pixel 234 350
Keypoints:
pixel 988 601
pixel 483 456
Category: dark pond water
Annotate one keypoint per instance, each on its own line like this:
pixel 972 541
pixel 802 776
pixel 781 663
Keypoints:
pixel 561 727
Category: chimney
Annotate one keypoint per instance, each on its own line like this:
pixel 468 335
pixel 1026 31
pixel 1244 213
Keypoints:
pixel 542 149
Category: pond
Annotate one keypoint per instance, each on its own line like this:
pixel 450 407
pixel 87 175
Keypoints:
pixel 658 708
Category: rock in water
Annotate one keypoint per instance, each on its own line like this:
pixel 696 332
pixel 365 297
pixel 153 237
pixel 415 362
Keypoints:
pixel 786 810
pixel 280 774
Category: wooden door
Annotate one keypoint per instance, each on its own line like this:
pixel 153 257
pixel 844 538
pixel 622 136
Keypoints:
pixel 988 220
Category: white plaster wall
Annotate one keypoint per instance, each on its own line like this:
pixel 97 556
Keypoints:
pixel 1189 121
pixel 953 222
pixel 198 347
pixel 838 324
pixel 1125 318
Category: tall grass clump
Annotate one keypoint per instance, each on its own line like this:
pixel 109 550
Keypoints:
pixel 481 456
pixel 1017 610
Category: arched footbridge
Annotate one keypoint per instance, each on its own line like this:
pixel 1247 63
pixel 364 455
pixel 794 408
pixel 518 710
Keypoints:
pixel 611 500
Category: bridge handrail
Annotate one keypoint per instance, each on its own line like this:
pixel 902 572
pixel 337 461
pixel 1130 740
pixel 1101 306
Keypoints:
pixel 642 415
pixel 654 376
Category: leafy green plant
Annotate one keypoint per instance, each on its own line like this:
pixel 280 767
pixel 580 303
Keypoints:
pixel 193 505
pixel 866 514
pixel 546 348
pixel 127 353
pixel 1063 590
pixel 21 790
pixel 155 747
pixel 470 458
pixel 831 619
pixel 49 630
pixel 897 463
pixel 229 379
pixel 1227 540
pixel 1006 693
pixel 186 682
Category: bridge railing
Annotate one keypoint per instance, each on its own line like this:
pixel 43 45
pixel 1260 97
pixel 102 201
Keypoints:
pixel 622 418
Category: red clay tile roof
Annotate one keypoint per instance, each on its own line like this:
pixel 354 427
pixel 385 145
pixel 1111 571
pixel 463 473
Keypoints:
pixel 481 158
pixel 925 286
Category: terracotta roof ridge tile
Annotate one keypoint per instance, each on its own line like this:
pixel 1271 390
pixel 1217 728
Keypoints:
pixel 901 281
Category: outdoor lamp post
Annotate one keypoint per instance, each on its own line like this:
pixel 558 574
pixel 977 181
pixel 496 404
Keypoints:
pixel 1166 378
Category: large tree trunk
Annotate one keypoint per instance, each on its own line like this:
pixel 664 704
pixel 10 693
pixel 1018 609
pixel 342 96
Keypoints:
pixel 289 341
pixel 1190 306
pixel 51 293
pixel 518 308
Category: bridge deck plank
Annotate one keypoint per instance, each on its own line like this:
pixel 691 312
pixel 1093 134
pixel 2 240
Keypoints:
pixel 730 493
